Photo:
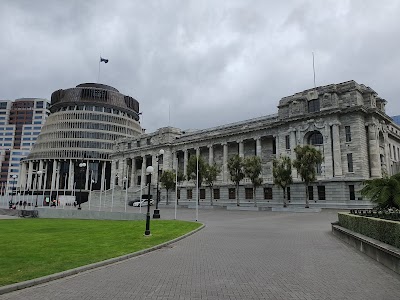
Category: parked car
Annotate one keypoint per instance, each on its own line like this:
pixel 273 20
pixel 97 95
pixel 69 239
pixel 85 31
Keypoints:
pixel 131 202
pixel 143 203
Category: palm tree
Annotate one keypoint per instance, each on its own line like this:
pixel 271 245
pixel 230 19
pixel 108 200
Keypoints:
pixel 385 192
pixel 235 167
pixel 307 159
pixel 282 172
pixel 252 170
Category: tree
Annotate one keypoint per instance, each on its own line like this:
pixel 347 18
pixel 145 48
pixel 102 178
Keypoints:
pixel 167 180
pixel 282 172
pixel 252 169
pixel 191 170
pixel 210 176
pixel 307 159
pixel 235 167
pixel 385 192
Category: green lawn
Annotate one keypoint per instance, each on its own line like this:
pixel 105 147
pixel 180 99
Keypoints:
pixel 31 248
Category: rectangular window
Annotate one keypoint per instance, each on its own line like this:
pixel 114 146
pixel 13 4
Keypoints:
pixel 287 142
pixel 274 146
pixel 202 193
pixel 189 194
pixel 267 193
pixel 350 162
pixel 321 192
pixel 288 193
pixel 394 152
pixel 138 144
pixel 313 105
pixel 232 193
pixel 352 192
pixel 148 141
pixel 310 192
pixel 139 180
pixel 248 193
pixel 348 133
pixel 39 104
pixel 129 146
pixel 216 194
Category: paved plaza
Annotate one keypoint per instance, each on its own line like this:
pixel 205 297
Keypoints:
pixel 238 255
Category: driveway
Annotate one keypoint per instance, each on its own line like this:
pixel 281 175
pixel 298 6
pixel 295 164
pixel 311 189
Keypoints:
pixel 238 255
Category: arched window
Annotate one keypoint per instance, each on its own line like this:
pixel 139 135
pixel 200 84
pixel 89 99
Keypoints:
pixel 316 138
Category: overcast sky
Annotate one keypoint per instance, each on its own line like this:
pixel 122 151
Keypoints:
pixel 207 62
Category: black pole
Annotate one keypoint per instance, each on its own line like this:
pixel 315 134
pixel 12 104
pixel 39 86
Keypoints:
pixel 147 232
pixel 156 213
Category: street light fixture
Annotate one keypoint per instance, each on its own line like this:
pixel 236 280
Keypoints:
pixel 12 188
pixel 156 213
pixel 82 166
pixel 149 171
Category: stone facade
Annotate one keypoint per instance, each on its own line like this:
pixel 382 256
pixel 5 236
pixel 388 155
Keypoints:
pixel 346 121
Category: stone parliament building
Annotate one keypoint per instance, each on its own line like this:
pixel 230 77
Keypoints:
pixel 95 124
pixel 346 122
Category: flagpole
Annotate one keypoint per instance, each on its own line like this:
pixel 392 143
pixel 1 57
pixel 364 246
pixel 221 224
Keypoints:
pixel 197 189
pixel 313 65
pixel 176 188
pixel 98 75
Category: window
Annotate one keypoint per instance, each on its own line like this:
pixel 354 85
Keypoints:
pixel 313 105
pixel 287 142
pixel 39 104
pixel 274 146
pixel 98 108
pixel 179 194
pixel 3 105
pixel 350 162
pixel 268 193
pixel 310 192
pixel 189 194
pixel 248 193
pixel 148 141
pixel 321 192
pixel 316 138
pixel 216 194
pixel 137 143
pixel 202 194
pixel 352 192
pixel 232 193
pixel 288 192
pixel 394 152
pixel 129 145
pixel 348 133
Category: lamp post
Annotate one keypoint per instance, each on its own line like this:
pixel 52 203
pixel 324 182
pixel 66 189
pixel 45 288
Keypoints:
pixel 82 166
pixel 149 171
pixel 12 188
pixel 156 213
pixel 38 173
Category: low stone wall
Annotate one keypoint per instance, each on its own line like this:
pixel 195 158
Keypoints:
pixel 387 255
pixel 53 213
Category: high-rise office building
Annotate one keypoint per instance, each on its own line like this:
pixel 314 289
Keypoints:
pixel 20 123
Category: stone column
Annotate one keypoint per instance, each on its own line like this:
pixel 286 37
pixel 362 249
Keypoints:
pixel 45 175
pixel 143 173
pixel 225 162
pixel 174 160
pixel 23 176
pixel 277 149
pixel 258 146
pixel 87 176
pixel 185 162
pixel 30 172
pixel 337 153
pixel 210 155
pixel 103 174
pixel 53 175
pixel 71 176
pixel 241 148
pixel 292 153
pixel 39 185
pixel 58 176
pixel 133 172
pixel 328 159
pixel 374 157
pixel 113 173
pixel 388 162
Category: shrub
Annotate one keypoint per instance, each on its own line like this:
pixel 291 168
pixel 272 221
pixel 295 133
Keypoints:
pixel 386 231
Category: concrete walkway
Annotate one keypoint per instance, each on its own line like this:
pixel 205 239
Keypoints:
pixel 239 255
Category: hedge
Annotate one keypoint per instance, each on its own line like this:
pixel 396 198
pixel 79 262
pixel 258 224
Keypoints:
pixel 386 231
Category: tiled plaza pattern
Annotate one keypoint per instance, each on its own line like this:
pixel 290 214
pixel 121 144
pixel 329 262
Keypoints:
pixel 239 255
